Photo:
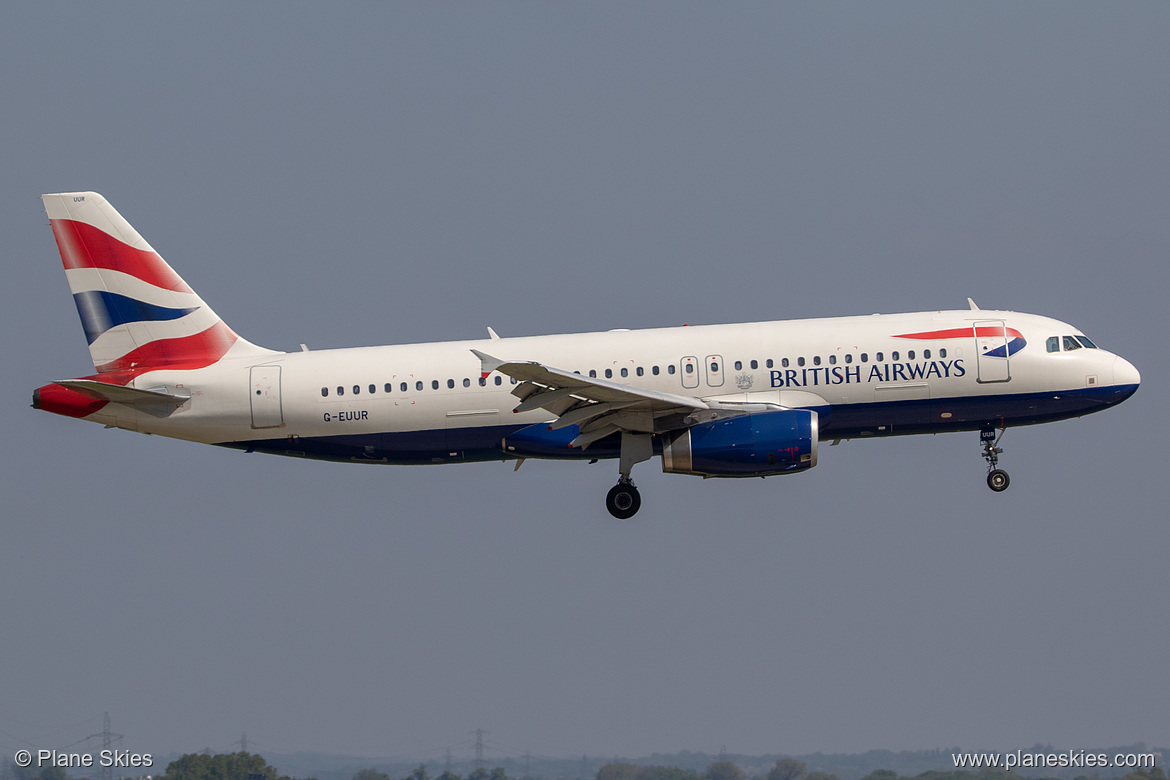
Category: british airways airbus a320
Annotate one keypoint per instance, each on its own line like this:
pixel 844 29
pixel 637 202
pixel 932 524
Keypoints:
pixel 742 400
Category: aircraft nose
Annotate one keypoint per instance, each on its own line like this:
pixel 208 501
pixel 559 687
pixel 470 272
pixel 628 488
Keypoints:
pixel 1124 373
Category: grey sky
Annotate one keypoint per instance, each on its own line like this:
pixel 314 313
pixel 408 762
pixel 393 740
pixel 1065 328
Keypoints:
pixel 381 173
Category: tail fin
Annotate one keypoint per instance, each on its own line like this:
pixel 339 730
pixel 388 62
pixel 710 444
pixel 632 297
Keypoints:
pixel 138 314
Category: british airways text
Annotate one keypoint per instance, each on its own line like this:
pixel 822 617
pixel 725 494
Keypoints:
pixel 878 372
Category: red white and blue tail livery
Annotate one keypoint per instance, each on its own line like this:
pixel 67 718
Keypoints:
pixel 137 313
pixel 739 400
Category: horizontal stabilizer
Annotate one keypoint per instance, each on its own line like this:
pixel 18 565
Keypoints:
pixel 159 402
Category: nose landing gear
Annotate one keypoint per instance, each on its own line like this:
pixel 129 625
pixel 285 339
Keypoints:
pixel 997 479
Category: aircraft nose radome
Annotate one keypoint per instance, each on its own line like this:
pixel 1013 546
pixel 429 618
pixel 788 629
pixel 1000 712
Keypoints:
pixel 1124 373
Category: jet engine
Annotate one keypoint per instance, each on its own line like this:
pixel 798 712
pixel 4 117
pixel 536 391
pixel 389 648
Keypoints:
pixel 748 445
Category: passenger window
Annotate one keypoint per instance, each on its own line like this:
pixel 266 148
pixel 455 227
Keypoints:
pixel 893 356
pixel 499 381
pixel 340 390
pixel 418 385
pixel 389 388
pixel 450 384
pixel 739 365
pixel 909 355
pixel 1053 344
pixel 1070 343
pixel 864 357
pixel 609 373
pixel 926 354
pixel 784 363
pixel 690 368
pixel 483 381
pixel 402 387
pixel 670 369
pixel 848 357
pixel 942 353
pixel 878 357
pixel 357 389
pixel 1085 342
pixel 373 389
pixel 466 382
pixel 800 361
pixel 769 363
pixel 640 371
pixel 816 360
pixel 714 368
pixel 434 384
pixel 324 392
pixel 654 370
pixel 593 373
pixel 625 372
pixel 754 364
pixel 832 360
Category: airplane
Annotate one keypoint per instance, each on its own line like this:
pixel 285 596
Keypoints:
pixel 737 400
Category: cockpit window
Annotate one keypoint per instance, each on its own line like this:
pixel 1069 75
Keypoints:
pixel 1071 343
pixel 1054 343
pixel 1086 343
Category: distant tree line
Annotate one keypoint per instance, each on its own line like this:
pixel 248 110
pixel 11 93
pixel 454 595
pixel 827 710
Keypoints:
pixel 222 766
pixel 420 773
pixel 250 766
pixel 784 769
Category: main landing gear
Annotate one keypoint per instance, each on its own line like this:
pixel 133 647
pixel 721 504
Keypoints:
pixel 997 479
pixel 623 500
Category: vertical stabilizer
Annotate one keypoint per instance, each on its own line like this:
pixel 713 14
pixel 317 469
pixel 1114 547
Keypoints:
pixel 138 314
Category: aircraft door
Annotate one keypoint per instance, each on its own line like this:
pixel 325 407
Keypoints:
pixel 991 352
pixel 689 367
pixel 713 366
pixel 265 397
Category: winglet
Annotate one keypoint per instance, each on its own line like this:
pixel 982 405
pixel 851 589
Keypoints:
pixel 492 334
pixel 487 363
pixel 974 306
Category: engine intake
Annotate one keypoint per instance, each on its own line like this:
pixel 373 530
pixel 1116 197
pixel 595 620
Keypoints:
pixel 750 445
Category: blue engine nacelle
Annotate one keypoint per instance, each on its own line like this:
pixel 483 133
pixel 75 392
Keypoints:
pixel 750 445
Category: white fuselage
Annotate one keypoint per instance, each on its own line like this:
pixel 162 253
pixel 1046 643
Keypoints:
pixel 865 375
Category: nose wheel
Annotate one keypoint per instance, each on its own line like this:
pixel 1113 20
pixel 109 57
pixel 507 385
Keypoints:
pixel 623 500
pixel 997 479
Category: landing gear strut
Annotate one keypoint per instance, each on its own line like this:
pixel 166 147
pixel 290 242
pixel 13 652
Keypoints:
pixel 623 500
pixel 997 479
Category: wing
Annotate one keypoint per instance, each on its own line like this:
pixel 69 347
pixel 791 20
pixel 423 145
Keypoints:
pixel 597 406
